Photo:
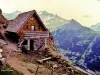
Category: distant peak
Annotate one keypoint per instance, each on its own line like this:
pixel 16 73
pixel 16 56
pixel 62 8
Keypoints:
pixel 73 24
pixel 98 23
pixel 72 20
pixel 43 12
pixel 17 11
pixel 56 15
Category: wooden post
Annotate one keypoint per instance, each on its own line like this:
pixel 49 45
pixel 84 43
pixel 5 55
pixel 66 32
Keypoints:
pixel 46 43
pixel 52 71
pixel 45 59
pixel 36 70
pixel 7 59
pixel 28 44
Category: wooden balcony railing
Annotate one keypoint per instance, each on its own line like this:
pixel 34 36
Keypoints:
pixel 43 34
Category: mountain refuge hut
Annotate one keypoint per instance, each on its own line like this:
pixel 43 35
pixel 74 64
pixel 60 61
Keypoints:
pixel 28 30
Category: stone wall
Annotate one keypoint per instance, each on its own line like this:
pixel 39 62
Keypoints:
pixel 38 43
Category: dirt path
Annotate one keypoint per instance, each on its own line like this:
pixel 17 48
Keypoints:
pixel 27 68
pixel 16 60
pixel 19 65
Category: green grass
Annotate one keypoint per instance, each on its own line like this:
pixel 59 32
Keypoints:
pixel 9 71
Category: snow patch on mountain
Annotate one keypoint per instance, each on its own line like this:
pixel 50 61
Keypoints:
pixel 87 52
pixel 52 21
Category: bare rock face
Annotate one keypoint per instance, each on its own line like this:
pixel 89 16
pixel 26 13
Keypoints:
pixel 0 11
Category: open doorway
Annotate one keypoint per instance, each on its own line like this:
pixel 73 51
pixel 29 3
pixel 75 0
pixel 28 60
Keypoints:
pixel 32 44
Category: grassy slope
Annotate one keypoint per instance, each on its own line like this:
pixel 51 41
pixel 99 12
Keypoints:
pixel 7 71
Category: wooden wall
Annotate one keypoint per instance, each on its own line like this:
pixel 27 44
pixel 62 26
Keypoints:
pixel 27 27
pixel 38 27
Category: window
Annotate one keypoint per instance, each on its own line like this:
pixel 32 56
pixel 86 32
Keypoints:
pixel 26 27
pixel 32 18
pixel 32 28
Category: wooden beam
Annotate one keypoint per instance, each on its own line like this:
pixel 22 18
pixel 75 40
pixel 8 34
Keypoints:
pixel 32 37
pixel 45 59
pixel 46 46
pixel 28 44
pixel 36 34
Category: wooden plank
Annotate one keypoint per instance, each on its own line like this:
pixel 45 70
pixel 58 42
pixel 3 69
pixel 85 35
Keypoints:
pixel 37 32
pixel 45 59
pixel 32 37
pixel 35 35
pixel 28 44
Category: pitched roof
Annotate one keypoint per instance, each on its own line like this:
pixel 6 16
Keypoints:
pixel 20 20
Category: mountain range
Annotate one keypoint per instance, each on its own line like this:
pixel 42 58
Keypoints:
pixel 96 27
pixel 52 21
pixel 11 16
pixel 81 44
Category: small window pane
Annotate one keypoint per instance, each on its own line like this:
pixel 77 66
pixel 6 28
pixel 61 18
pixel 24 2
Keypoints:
pixel 32 27
pixel 27 27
